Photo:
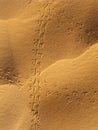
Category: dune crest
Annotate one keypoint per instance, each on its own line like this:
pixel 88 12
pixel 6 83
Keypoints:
pixel 69 91
pixel 48 65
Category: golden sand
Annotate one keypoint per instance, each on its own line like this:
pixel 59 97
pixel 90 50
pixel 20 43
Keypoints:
pixel 48 65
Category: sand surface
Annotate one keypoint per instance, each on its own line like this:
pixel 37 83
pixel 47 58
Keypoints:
pixel 48 65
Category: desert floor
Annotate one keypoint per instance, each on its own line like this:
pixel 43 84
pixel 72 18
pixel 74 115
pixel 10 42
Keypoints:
pixel 49 65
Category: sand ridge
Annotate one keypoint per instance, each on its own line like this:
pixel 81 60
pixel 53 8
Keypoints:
pixel 48 65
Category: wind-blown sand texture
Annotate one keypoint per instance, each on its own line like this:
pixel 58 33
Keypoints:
pixel 48 65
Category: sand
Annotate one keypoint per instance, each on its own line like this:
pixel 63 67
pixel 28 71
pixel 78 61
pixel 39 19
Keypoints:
pixel 48 65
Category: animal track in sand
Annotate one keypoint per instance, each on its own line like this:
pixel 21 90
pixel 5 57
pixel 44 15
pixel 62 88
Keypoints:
pixel 60 30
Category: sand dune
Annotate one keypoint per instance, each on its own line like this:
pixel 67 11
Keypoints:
pixel 48 65
pixel 69 91
pixel 72 26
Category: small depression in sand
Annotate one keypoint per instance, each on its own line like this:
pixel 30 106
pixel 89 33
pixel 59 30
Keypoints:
pixel 48 65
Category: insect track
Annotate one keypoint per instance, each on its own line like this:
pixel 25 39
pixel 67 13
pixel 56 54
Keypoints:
pixel 37 54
